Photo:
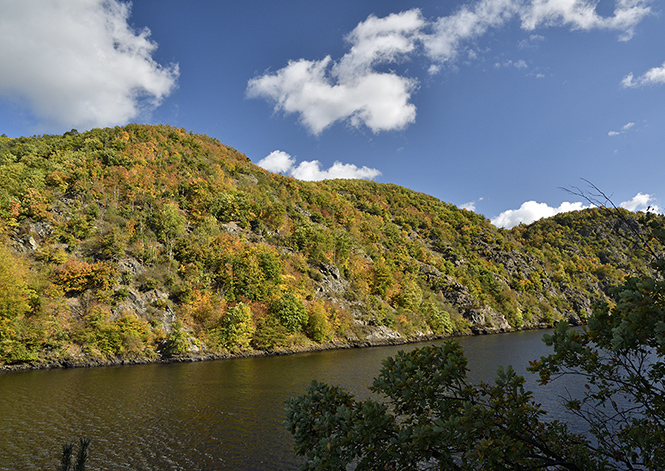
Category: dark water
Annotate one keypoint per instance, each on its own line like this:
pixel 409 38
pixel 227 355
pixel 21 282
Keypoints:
pixel 219 415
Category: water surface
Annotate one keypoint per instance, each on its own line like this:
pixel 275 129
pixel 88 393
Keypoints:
pixel 217 415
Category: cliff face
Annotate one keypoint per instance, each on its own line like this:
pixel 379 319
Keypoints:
pixel 148 241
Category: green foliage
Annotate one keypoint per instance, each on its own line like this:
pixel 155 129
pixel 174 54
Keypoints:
pixel 176 341
pixel 437 318
pixel 318 327
pixel 125 336
pixel 622 356
pixel 236 328
pixel 170 224
pixel 113 245
pixel 270 334
pixel 290 312
pixel 433 418
pixel 81 457
pixel 184 214
pixel 14 291
pixel 411 295
pixel 16 302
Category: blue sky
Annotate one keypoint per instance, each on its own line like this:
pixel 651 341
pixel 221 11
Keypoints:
pixel 492 105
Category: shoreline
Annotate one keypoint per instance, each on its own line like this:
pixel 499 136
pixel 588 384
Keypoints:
pixel 195 357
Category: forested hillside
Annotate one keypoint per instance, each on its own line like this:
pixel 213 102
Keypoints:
pixel 146 242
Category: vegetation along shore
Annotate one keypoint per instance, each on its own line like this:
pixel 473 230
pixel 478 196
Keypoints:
pixel 150 243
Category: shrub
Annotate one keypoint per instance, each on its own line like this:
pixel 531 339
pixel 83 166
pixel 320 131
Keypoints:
pixel 77 276
pixel 270 333
pixel 236 328
pixel 175 342
pixel 290 312
pixel 318 328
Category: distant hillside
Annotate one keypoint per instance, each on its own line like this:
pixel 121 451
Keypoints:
pixel 146 242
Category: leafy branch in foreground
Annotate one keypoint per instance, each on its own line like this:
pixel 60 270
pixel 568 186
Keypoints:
pixel 433 418
pixel 621 357
pixel 81 457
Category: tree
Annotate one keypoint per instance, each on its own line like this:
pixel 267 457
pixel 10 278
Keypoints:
pixel 621 356
pixel 170 225
pixel 15 303
pixel 236 328
pixel 290 312
pixel 433 418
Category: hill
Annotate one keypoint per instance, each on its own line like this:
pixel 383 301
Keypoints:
pixel 149 242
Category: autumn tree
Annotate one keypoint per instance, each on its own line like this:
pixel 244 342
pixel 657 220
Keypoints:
pixel 15 295
pixel 236 328
pixel 290 312
pixel 170 225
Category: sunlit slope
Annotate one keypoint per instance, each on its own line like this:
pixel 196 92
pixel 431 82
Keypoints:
pixel 151 241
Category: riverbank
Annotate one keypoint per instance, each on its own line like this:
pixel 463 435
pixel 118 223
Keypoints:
pixel 213 415
pixel 84 361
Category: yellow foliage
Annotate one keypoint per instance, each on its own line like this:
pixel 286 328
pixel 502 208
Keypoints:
pixel 14 291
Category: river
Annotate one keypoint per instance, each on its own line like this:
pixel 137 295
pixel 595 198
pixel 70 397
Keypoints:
pixel 217 415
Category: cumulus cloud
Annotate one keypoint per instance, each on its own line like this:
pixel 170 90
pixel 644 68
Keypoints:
pixel 531 211
pixel 323 92
pixel 451 33
pixel 654 76
pixel 312 171
pixel 281 162
pixel 357 90
pixel 277 161
pixel 641 202
pixel 471 205
pixel 79 63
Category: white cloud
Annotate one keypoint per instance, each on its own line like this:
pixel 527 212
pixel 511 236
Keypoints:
pixel 312 171
pixel 531 211
pixel 351 89
pixel 624 128
pixel 533 42
pixel 277 161
pixel 379 41
pixel 282 162
pixel 581 14
pixel 323 92
pixel 519 64
pixel 471 205
pixel 469 23
pixel 654 76
pixel 78 63
pixel 451 32
pixel 640 202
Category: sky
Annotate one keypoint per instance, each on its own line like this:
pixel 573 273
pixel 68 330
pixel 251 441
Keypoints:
pixel 496 106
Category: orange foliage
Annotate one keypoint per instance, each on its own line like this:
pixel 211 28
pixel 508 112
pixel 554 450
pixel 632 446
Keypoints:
pixel 77 276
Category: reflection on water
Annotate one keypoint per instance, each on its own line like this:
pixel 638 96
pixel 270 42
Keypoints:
pixel 218 415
